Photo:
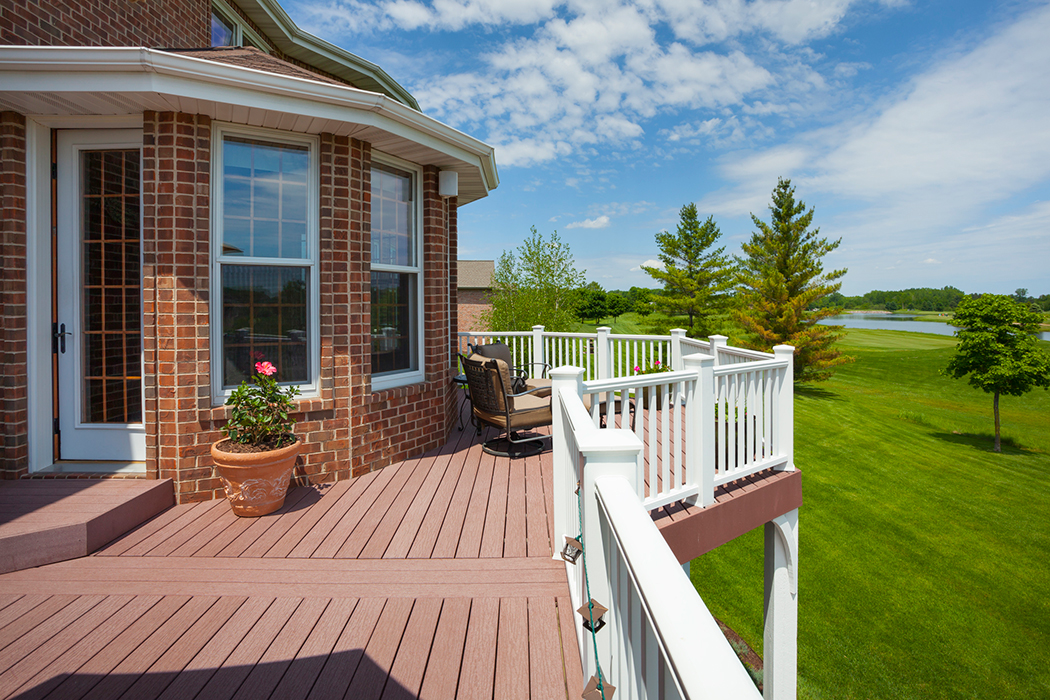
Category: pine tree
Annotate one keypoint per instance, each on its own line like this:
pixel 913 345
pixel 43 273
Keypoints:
pixel 696 278
pixel 781 279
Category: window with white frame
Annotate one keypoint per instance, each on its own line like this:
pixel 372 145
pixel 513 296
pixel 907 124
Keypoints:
pixel 396 287
pixel 228 29
pixel 264 252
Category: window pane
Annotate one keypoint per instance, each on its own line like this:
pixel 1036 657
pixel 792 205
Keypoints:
pixel 264 198
pixel 221 31
pixel 393 325
pixel 264 318
pixel 393 223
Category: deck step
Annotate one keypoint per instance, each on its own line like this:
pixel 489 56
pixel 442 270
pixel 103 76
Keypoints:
pixel 49 520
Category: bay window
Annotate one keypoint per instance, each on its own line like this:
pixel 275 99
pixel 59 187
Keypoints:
pixel 264 257
pixel 396 283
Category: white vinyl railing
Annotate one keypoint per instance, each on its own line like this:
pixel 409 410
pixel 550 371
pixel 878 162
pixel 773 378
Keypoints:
pixel 723 414
pixel 659 640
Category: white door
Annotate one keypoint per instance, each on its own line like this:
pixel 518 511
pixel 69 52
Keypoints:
pixel 98 334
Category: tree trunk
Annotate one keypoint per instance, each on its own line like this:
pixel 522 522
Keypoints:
pixel 995 409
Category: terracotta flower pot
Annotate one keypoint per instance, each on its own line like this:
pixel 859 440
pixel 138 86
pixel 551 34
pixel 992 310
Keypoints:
pixel 256 482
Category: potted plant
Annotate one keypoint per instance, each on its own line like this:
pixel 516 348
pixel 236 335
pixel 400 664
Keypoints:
pixel 256 459
pixel 655 368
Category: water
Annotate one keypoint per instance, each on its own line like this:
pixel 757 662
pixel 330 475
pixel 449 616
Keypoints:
pixel 897 322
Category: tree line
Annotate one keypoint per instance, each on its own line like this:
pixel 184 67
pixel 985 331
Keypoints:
pixel 772 291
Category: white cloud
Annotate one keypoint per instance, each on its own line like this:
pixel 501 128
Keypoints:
pixel 931 261
pixel 648 263
pixel 597 222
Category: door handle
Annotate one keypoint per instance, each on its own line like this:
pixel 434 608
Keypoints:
pixel 58 338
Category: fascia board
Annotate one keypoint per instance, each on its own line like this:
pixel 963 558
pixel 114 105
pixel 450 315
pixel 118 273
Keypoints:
pixel 304 41
pixel 145 70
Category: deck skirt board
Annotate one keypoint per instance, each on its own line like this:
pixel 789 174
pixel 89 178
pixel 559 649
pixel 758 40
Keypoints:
pixel 432 578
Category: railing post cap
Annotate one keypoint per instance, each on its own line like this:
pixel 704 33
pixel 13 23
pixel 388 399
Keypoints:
pixel 537 328
pixel 604 329
pixel 717 338
pixel 566 372
pixel 698 358
pixel 784 349
pixel 678 331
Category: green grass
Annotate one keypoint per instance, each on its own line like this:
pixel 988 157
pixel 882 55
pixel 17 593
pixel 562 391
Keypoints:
pixel 924 556
pixel 624 324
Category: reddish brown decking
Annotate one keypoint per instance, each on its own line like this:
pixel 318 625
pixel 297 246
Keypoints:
pixel 432 578
pixel 49 520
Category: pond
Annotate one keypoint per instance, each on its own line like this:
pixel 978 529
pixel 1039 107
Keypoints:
pixel 897 322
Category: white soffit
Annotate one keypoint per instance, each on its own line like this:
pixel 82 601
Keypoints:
pixel 50 81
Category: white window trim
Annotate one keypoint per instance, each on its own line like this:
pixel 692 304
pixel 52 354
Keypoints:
pixel 312 388
pixel 241 30
pixel 390 380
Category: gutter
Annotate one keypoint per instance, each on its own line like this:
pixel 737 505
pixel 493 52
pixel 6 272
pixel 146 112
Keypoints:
pixel 72 60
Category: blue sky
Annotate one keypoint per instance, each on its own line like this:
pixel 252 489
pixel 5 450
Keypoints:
pixel 920 131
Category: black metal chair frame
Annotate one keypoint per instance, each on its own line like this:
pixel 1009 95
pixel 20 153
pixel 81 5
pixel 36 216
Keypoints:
pixel 483 398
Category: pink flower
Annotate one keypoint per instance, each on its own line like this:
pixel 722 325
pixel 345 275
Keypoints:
pixel 265 368
pixel 636 369
pixel 256 355
pixel 657 363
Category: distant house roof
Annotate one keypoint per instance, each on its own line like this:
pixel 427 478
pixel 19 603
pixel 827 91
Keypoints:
pixel 251 57
pixel 475 274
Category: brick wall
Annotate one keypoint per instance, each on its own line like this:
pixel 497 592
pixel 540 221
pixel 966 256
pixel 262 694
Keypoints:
pixel 473 305
pixel 392 425
pixel 348 429
pixel 14 409
pixel 153 23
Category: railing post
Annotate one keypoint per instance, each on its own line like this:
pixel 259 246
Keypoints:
pixel 604 343
pixel 717 343
pixel 616 454
pixel 676 348
pixel 700 424
pixel 564 471
pixel 786 409
pixel 538 354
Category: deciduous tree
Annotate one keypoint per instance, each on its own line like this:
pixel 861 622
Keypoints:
pixel 696 276
pixel 998 350
pixel 781 279
pixel 536 286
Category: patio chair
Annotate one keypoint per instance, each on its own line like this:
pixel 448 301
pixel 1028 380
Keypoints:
pixel 494 403
pixel 520 379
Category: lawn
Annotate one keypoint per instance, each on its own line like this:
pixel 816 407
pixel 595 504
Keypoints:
pixel 924 556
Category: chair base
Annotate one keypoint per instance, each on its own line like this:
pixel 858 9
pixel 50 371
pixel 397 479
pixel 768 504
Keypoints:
pixel 504 447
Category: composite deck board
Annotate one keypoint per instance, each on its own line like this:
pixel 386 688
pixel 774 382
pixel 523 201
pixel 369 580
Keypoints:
pixel 432 578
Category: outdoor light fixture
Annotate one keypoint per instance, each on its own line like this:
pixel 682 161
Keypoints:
pixel 593 692
pixel 596 613
pixel 572 549
pixel 448 183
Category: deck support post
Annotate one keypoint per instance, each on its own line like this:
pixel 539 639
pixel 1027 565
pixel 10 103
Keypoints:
pixel 538 354
pixel 780 641
pixel 785 432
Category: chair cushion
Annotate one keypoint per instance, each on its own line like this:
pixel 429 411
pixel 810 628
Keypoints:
pixel 501 351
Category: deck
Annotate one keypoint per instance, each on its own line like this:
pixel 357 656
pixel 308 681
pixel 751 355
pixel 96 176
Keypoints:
pixel 432 578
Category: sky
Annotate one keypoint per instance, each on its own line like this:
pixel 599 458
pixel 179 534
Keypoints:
pixel 919 131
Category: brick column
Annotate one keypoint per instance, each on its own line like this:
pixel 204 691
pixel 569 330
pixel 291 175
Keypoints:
pixel 14 407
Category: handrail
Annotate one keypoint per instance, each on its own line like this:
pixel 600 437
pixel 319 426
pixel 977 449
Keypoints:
pixel 699 660
pixel 723 370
